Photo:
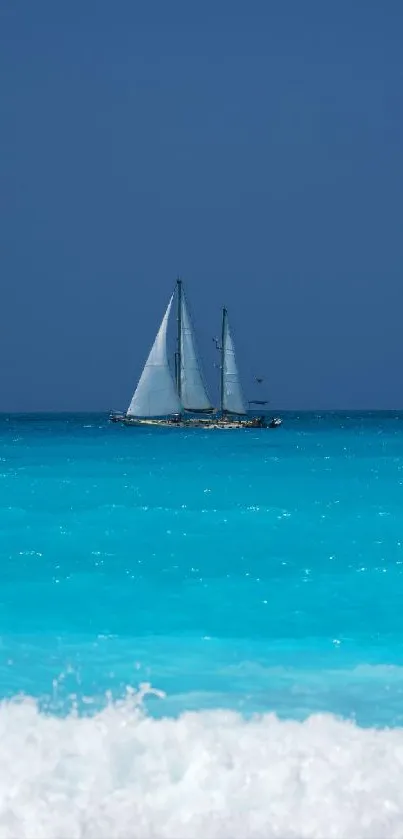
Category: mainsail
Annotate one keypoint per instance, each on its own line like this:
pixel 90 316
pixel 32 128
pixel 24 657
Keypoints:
pixel 232 399
pixel 192 389
pixel 155 394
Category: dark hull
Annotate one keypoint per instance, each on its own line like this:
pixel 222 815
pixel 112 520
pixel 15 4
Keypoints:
pixel 219 423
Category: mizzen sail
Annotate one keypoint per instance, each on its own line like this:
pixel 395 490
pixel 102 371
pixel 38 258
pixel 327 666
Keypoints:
pixel 232 399
pixel 155 394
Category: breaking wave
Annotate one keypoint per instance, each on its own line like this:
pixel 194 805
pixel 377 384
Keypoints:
pixel 204 775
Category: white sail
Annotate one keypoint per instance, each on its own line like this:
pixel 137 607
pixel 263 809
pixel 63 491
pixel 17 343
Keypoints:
pixel 193 392
pixel 155 394
pixel 232 397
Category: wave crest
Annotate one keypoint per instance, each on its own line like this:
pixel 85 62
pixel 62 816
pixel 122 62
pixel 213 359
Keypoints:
pixel 211 775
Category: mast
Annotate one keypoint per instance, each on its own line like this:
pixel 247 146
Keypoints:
pixel 179 338
pixel 223 330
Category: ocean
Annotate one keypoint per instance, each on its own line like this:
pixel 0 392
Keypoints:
pixel 201 631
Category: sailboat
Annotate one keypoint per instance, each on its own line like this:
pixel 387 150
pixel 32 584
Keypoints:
pixel 182 400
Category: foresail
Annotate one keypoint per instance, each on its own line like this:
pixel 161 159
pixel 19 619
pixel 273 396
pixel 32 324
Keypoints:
pixel 193 392
pixel 233 400
pixel 155 394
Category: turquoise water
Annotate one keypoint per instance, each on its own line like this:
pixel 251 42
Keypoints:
pixel 252 571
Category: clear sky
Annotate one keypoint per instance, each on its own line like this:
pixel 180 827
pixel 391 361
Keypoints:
pixel 253 147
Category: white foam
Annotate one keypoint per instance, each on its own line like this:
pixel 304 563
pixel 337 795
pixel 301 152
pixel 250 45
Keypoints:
pixel 212 775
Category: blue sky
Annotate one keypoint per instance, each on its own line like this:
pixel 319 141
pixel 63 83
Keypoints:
pixel 254 148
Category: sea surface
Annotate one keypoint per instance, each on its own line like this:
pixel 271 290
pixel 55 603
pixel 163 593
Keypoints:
pixel 201 632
